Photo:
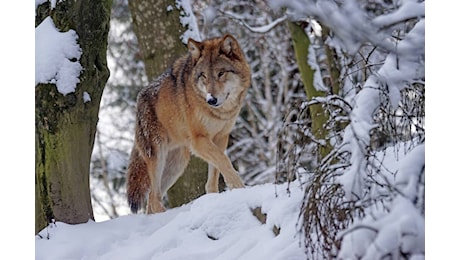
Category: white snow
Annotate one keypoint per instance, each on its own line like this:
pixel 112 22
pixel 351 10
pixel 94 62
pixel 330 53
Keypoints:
pixel 54 52
pixel 214 226
pixel 222 226
pixel 188 20
pixel 408 9
pixel 396 224
pixel 86 97
pixel 318 82
pixel 210 13
pixel 52 3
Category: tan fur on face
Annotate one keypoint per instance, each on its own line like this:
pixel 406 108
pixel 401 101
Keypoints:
pixel 192 107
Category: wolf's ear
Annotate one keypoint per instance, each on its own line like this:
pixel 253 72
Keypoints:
pixel 194 48
pixel 229 46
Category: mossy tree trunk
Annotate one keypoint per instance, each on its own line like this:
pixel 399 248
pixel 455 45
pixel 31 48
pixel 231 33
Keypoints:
pixel 65 126
pixel 158 30
pixel 319 115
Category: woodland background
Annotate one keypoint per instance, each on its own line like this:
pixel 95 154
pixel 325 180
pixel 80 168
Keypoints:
pixel 337 87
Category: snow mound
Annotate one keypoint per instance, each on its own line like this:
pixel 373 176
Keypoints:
pixel 258 222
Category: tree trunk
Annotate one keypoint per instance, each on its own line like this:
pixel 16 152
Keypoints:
pixel 65 126
pixel 319 116
pixel 158 30
pixel 190 185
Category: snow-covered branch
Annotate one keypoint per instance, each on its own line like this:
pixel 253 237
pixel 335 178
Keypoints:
pixel 258 29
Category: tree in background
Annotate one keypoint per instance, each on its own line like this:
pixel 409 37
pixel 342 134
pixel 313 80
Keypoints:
pixel 65 122
pixel 114 137
pixel 374 94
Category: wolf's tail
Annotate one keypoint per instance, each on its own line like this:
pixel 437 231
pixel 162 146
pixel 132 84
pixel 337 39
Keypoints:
pixel 138 184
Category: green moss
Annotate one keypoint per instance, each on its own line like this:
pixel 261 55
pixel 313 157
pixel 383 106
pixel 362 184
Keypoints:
pixel 43 211
pixel 318 114
pixel 65 126
pixel 42 11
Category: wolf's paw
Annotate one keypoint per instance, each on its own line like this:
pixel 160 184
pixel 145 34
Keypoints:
pixel 239 185
pixel 235 183
pixel 157 207
pixel 212 189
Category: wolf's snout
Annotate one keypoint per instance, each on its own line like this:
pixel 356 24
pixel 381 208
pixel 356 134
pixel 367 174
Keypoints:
pixel 211 100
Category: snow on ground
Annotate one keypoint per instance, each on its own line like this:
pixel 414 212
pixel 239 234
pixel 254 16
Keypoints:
pixel 214 226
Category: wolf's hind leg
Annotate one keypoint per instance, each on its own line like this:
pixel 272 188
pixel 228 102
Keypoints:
pixel 155 165
pixel 176 162
pixel 212 185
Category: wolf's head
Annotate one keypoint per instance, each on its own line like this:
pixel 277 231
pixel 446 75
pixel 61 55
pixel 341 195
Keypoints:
pixel 220 72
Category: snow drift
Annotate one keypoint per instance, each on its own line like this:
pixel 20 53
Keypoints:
pixel 257 222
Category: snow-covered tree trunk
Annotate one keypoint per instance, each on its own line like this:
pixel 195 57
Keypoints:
pixel 65 121
pixel 161 28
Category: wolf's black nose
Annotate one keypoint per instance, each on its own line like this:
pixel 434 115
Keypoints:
pixel 212 100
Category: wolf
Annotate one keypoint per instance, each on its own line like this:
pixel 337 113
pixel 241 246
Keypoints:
pixel 190 108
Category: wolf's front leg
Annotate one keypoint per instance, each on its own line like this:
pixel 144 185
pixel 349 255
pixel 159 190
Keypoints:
pixel 210 152
pixel 233 180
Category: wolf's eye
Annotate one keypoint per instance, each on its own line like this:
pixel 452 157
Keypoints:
pixel 220 74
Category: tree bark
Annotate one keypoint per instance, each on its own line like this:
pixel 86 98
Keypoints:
pixel 65 126
pixel 158 30
pixel 191 185
pixel 319 115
